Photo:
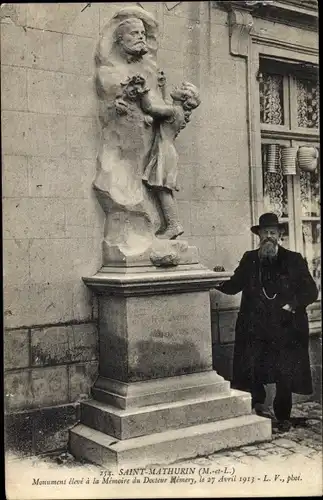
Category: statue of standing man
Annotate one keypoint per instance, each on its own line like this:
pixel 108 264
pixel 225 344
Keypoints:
pixel 137 160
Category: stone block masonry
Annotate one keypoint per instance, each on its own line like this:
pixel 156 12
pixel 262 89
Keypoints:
pixel 48 370
pixel 49 366
pixel 40 430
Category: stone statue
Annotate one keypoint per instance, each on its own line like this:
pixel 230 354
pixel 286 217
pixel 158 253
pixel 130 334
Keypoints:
pixel 137 160
pixel 160 170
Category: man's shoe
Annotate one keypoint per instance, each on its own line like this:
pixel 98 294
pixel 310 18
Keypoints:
pixel 284 425
pixel 259 409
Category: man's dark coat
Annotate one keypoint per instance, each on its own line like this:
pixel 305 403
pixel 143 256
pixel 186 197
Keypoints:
pixel 271 344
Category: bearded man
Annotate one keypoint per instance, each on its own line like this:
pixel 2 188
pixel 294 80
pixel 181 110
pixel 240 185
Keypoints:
pixel 272 331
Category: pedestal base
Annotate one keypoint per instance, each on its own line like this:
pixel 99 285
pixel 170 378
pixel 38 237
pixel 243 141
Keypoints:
pixel 165 432
pixel 179 414
pixel 157 398
pixel 170 445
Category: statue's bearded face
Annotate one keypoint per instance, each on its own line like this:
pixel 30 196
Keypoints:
pixel 132 37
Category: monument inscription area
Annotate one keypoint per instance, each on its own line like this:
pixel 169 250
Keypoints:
pixel 166 339
pixel 155 363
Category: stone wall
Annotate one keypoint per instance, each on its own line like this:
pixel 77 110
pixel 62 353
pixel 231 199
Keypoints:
pixel 52 222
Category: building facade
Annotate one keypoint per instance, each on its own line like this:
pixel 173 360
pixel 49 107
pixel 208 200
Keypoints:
pixel 256 64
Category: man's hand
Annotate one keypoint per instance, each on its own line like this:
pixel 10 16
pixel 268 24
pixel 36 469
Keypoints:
pixel 148 120
pixel 121 106
pixel 161 78
pixel 218 269
pixel 288 307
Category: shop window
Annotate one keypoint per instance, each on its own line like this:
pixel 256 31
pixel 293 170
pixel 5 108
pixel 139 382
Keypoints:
pixel 271 99
pixel 289 120
pixel 307 103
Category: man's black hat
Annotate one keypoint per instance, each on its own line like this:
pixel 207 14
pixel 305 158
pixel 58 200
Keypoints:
pixel 267 220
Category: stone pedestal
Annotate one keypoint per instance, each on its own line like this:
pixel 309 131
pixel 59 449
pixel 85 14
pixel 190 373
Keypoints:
pixel 157 398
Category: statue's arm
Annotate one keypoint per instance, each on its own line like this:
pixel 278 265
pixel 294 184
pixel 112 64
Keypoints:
pixel 103 81
pixel 110 92
pixel 155 109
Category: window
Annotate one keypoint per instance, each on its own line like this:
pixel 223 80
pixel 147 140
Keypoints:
pixel 289 119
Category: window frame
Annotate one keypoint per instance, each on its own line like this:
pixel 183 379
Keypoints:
pixel 297 136
pixel 258 132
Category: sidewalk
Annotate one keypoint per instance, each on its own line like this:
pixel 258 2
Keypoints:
pixel 304 440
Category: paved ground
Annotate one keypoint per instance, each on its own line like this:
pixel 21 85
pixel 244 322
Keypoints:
pixel 296 454
pixel 304 439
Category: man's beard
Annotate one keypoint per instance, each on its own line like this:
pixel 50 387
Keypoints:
pixel 268 250
pixel 137 50
pixel 142 51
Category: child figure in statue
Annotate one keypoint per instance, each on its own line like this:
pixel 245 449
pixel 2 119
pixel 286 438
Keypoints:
pixel 160 173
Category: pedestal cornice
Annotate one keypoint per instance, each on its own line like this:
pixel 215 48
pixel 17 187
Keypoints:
pixel 127 282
